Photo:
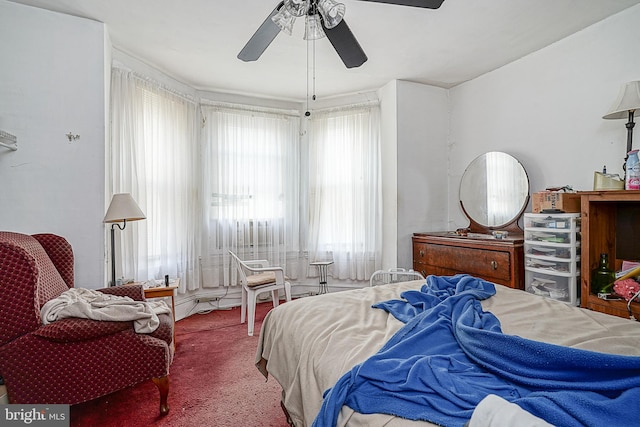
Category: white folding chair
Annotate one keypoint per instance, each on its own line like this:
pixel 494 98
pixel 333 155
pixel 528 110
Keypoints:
pixel 256 277
pixel 393 275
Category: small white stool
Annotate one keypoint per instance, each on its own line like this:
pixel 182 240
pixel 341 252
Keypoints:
pixel 323 267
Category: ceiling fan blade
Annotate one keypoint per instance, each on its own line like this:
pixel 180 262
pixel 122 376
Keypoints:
pixel 345 44
pixel 262 38
pixel 428 4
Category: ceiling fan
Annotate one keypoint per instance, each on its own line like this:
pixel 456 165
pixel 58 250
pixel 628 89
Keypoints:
pixel 322 17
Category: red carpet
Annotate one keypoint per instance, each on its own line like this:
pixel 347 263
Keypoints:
pixel 213 382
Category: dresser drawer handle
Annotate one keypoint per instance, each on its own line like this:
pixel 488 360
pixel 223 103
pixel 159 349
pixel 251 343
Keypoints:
pixel 421 252
pixel 494 264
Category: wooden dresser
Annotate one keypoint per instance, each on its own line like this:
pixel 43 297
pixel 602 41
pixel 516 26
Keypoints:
pixel 446 253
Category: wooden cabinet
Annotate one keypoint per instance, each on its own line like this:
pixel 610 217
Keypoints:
pixel 610 224
pixel 496 260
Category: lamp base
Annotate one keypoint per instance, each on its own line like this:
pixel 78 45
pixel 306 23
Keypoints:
pixel 630 125
pixel 113 256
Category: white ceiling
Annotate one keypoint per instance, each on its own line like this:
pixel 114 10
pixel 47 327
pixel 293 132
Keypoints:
pixel 196 41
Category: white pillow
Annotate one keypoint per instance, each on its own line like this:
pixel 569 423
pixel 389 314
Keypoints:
pixel 494 411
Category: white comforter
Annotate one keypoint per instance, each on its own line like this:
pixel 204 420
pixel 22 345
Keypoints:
pixel 309 343
pixel 91 304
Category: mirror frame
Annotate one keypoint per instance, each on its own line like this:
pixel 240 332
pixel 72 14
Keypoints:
pixel 512 225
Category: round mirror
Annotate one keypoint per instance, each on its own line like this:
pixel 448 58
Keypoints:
pixel 494 192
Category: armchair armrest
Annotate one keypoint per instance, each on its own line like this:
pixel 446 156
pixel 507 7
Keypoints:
pixel 77 329
pixel 262 273
pixel 256 262
pixel 264 267
pixel 135 292
pixel 278 271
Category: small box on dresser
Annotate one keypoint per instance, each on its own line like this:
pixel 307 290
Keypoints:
pixel 566 202
pixel 552 256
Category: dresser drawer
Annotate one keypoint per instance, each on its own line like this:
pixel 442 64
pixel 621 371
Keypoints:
pixel 443 254
pixel 420 252
pixel 476 262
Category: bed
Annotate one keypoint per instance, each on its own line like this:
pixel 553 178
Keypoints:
pixel 310 345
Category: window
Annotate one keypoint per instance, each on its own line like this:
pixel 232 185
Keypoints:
pixel 235 179
pixel 154 156
pixel 251 181
pixel 345 191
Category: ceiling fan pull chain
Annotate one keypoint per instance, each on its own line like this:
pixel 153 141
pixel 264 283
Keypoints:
pixel 313 97
pixel 307 112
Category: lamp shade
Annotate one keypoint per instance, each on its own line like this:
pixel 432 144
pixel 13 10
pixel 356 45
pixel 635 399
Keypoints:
pixel 332 12
pixel 122 208
pixel 628 100
pixel 284 20
pixel 297 7
pixel 313 28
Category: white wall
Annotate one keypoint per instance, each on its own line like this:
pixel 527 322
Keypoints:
pixel 414 166
pixel 52 82
pixel 546 109
pixel 389 164
pixel 423 122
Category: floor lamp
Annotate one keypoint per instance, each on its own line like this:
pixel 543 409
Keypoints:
pixel 122 209
pixel 627 103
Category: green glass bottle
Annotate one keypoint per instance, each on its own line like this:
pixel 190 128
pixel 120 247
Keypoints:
pixel 602 278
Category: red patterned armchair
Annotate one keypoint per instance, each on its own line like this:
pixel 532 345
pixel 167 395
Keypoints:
pixel 70 360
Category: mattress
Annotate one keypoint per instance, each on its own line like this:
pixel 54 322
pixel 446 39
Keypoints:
pixel 309 343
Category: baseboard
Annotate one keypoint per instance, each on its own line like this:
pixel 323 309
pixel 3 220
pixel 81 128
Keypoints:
pixel 4 399
pixel 223 298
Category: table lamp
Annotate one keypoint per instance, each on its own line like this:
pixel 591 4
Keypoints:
pixel 627 103
pixel 122 209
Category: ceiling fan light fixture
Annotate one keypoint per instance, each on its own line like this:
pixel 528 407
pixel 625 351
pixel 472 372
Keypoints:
pixel 297 7
pixel 322 18
pixel 313 28
pixel 284 20
pixel 332 12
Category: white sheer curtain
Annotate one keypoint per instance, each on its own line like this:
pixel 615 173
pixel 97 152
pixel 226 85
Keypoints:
pixel 251 189
pixel 154 155
pixel 345 190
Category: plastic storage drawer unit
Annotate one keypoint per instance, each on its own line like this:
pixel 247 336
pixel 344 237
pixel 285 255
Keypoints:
pixel 552 256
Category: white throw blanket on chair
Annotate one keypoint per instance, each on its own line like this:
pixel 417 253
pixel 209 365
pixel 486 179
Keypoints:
pixel 91 304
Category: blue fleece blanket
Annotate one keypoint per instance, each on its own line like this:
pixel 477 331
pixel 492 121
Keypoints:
pixel 451 354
